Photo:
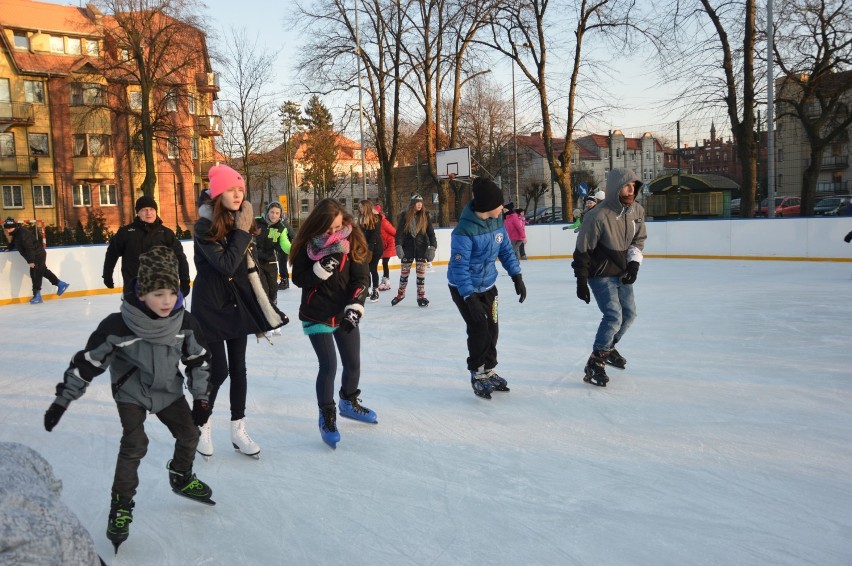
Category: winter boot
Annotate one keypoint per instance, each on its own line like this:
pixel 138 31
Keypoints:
pixel 481 384
pixel 284 284
pixel 61 287
pixel 596 369
pixel 205 442
pixel 616 360
pixel 120 517
pixel 374 295
pixel 189 486
pixel 36 300
pixel 351 408
pixel 395 301
pixel 328 424
pixel 497 382
pixel 241 440
pixel 422 302
pixel 385 284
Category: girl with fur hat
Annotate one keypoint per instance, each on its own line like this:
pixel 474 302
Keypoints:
pixel 415 242
pixel 330 263
pixel 371 225
pixel 143 346
pixel 228 296
pixel 270 241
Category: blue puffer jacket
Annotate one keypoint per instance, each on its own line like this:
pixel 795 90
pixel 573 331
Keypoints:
pixel 474 246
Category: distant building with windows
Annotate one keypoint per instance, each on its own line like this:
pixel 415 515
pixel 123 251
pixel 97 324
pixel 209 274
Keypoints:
pixel 64 149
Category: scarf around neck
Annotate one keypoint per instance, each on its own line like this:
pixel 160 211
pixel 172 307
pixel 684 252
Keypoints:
pixel 158 330
pixel 327 244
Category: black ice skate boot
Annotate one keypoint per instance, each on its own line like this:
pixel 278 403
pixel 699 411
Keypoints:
pixel 497 383
pixel 615 359
pixel 187 485
pixel 596 369
pixel 120 517
pixel 482 386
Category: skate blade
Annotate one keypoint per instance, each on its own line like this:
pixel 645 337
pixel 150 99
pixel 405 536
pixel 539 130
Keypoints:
pixel 205 501
pixel 205 456
pixel 589 381
pixel 256 455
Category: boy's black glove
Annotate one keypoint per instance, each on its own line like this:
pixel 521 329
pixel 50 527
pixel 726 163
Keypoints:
pixel 583 290
pixel 201 411
pixel 632 272
pixel 325 267
pixel 351 317
pixel 848 238
pixel 52 416
pixel 476 307
pixel 184 288
pixel 520 288
pixel 108 282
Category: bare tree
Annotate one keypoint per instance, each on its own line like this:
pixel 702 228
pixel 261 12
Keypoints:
pixel 813 50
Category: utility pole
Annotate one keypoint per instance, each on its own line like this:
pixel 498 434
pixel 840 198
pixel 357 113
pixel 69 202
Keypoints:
pixel 360 102
pixel 678 170
pixel 515 137
pixel 770 114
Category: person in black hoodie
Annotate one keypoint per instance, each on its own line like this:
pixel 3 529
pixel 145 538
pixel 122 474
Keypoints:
pixel 33 252
pixel 370 223
pixel 134 239
pixel 330 261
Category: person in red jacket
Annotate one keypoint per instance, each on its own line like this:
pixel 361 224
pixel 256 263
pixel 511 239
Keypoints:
pixel 389 243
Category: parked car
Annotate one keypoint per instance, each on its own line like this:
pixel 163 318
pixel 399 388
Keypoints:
pixel 735 207
pixel 838 205
pixel 784 206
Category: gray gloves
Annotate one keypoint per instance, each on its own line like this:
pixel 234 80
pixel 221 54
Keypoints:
pixel 244 217
pixel 400 253
pixel 430 253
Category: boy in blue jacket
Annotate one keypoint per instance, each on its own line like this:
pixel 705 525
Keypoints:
pixel 477 240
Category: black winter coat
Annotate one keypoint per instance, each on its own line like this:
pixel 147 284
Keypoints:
pixel 223 299
pixel 136 238
pixel 27 245
pixel 324 301
pixel 415 246
pixel 374 238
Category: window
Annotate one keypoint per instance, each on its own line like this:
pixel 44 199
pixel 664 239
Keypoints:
pixel 342 201
pixel 83 195
pixel 43 196
pixel 134 99
pixel 57 44
pixel 123 55
pixel 13 196
pixel 171 102
pixel 22 41
pixel 190 102
pixel 7 144
pixel 108 195
pixel 34 91
pixel 647 154
pixel 172 148
pixel 38 144
pixel 80 145
pixel 618 152
pixel 89 94
pixel 780 155
pixel 5 95
pixel 193 146
pixel 99 145
pixel 75 46
pixel 305 205
pixel 92 47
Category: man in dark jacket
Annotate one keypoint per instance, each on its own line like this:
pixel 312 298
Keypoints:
pixel 144 233
pixel 23 240
pixel 607 258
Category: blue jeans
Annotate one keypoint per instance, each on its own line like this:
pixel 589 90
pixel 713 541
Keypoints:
pixel 615 300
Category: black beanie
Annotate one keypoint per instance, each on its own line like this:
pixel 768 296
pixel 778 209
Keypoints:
pixel 158 269
pixel 145 201
pixel 486 195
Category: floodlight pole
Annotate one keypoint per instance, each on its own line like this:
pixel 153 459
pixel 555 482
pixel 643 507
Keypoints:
pixel 770 115
pixel 360 102
pixel 515 137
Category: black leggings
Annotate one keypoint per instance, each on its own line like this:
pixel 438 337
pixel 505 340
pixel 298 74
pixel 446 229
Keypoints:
pixel 349 346
pixel 385 262
pixel 234 364
pixel 374 270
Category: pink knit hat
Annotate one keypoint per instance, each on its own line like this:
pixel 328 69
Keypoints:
pixel 223 178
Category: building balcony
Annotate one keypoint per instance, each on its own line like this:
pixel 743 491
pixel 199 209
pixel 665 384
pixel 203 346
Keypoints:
pixel 17 113
pixel 207 82
pixel 834 162
pixel 19 167
pixel 838 187
pixel 208 125
pixel 94 168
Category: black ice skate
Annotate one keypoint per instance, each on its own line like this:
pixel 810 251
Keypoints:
pixel 120 517
pixel 497 382
pixel 481 384
pixel 187 485
pixel 395 301
pixel 596 369
pixel 422 302
pixel 616 360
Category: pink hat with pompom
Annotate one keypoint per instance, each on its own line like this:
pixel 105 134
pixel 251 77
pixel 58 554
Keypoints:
pixel 223 178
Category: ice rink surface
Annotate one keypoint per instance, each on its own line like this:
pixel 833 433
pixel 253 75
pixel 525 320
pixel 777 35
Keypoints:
pixel 728 439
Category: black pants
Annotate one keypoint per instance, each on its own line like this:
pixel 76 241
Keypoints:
pixel 233 365
pixel 41 271
pixel 268 272
pixel 481 332
pixel 134 442
pixel 282 263
pixel 374 270
pixel 349 345
pixel 385 267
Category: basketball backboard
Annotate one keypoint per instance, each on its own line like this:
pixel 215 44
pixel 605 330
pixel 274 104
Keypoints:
pixel 453 162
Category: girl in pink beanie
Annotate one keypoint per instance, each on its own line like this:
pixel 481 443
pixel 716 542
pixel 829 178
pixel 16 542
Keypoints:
pixel 223 178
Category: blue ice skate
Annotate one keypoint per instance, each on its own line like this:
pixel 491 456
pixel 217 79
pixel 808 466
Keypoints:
pixel 328 424
pixel 351 408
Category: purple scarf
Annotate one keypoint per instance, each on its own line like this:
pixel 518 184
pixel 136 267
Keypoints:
pixel 327 244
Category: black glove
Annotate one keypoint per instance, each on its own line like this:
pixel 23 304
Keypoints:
pixel 848 238
pixel 185 288
pixel 108 282
pixel 350 320
pixel 201 411
pixel 583 290
pixel 325 267
pixel 476 307
pixel 520 288
pixel 632 272
pixel 52 416
pixel 400 253
pixel 430 253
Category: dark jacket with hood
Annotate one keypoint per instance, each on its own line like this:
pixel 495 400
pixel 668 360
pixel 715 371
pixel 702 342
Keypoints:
pixel 414 245
pixel 612 234
pixel 136 238
pixel 27 245
pixel 228 297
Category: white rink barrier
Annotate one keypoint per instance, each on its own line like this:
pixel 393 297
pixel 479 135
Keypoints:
pixel 792 239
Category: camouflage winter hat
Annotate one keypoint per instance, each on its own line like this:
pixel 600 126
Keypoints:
pixel 158 269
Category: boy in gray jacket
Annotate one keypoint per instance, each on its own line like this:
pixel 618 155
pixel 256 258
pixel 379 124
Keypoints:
pixel 143 345
pixel 607 259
